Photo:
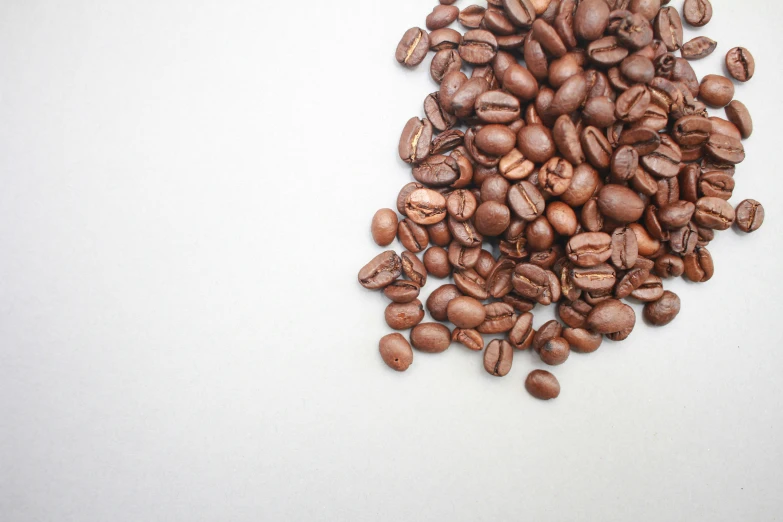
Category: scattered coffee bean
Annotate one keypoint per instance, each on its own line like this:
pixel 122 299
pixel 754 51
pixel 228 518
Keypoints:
pixel 698 13
pixel 431 337
pixel 471 339
pixel 396 352
pixel 740 64
pixel 662 311
pixel 542 385
pixel 749 215
pixel 498 358
pixel 413 47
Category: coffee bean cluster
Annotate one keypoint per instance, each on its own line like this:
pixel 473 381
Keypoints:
pixel 567 158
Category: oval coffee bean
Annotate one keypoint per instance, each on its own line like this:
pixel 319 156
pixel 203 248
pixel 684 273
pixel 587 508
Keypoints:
pixel 533 282
pixel 444 39
pixel 413 47
pixel 461 205
pixel 714 213
pixel 495 140
pixel 402 316
pixel 521 12
pixel 664 310
pixel 590 19
pixel 698 13
pixel 725 149
pixel 581 340
pixel 498 358
pixel 716 184
pixel 462 257
pixel 625 248
pixel 650 290
pixel 620 204
pixel 471 339
pixel 436 171
pixel 716 90
pixel 555 351
pixel 699 267
pixel 740 64
pixel 492 218
pixel 465 233
pixel 425 206
pixel 413 236
pixel 676 215
pixel 632 104
pixel 738 114
pixel 401 291
pixel 521 335
pixel 381 271
pixel 439 299
pixel 500 317
pixel 698 48
pixel 396 352
pixel 612 318
pixel 441 16
pixel 749 215
pixel 606 51
pixel 526 201
pixel 436 261
pixel 438 117
pixel 574 313
pixel 548 331
pixel 413 268
pixel 589 248
pixel 668 28
pixel 669 265
pixel 384 226
pixel 465 312
pixel 439 234
pixel 542 385
pixel 596 147
pixel 478 47
pixel 598 278
pixel 431 337
pixel 471 284
pixel 415 140
pixel 497 107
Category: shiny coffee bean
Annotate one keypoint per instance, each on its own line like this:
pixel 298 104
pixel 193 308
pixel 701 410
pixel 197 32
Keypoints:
pixel 425 206
pixel 384 226
pixel 492 218
pixel 498 357
pixel 439 234
pixel 415 140
pixel 381 270
pixel 542 385
pixel 613 319
pixel 716 184
pixel 469 338
pixel 662 311
pixel 396 352
pixel 714 213
pixel 582 340
pixel 431 337
pixel 438 301
pixel 436 262
pixel 401 291
pixel 441 16
pixel 749 215
pixel 413 47
pixel 589 249
pixel 593 279
pixel 620 204
pixel 465 312
pixel 413 236
pixel 650 290
pixel 574 313
pixel 740 64
pixel 522 333
pixel 526 201
pixel 471 284
pixel 401 316
pixel 669 265
pixel 738 114
pixel 668 28
pixel 533 282
pixel 413 268
pixel 625 248
pixel 478 47
pixel 716 90
pixel 500 317
pixel 725 149
pixel 497 107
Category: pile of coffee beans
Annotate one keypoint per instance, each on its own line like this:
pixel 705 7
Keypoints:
pixel 567 158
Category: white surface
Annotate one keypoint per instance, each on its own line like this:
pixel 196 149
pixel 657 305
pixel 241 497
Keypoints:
pixel 185 197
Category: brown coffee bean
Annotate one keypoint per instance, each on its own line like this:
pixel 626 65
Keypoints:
pixel 613 319
pixel 632 104
pixel 562 218
pixel 445 39
pixel 520 82
pixel 620 204
pixel 438 301
pixel 526 201
pixel 698 13
pixel 431 337
pixel 749 215
pixel 555 351
pixel 598 112
pixel 555 176
pixel 478 47
pixel 533 282
pixel 439 119
pixel 521 12
pixel 593 279
pixel 698 48
pixel 500 317
pixel 589 248
pixel 668 28
pixel 542 385
pixel 413 47
pixel 396 352
pixel 548 331
pixel 650 290
pixel 471 16
pixel 439 234
pixel 401 291
pixel 567 140
pixel 699 267
pixel 514 166
pixel 625 248
pixel 384 226
pixel 634 30
pixel 436 262
pixel 637 69
pixel 662 311
pixel 536 143
pixel 574 313
pixel 471 284
pixel 499 278
pixel 413 236
pixel 596 147
pixel 521 335
pixel 497 107
pixel 401 316
pixel 436 171
pixel 606 51
pixel 669 265
pixel 676 215
pixel 492 218
pixel 714 213
pixel 683 240
pixel 498 358
pixel 471 339
pixel 585 183
pixel 381 270
pixel 413 268
pixel 644 140
pixel 692 131
pixel 590 19
pixel 591 217
pixel 716 90
pixel 461 205
pixel 495 140
pixel 738 114
pixel 716 184
pixel 740 64
pixel 415 140
pixel 425 206
pixel 725 149
pixel 404 193
pixel 465 312
pixel 581 340
pixel 441 16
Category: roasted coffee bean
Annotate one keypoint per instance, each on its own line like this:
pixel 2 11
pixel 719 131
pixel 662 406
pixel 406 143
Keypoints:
pixel 625 248
pixel 692 131
pixel 381 270
pixel 683 240
pixel 555 176
pixel 526 201
pixel 555 351
pixel 589 248
pixel 598 112
pixel 478 47
pixel 606 51
pixel 404 193
pixel 492 218
pixel 498 357
pixel 563 68
pixel 446 141
pixel 725 149
pixel 465 233
pixel 625 162
pixel 500 317
pixel 662 311
pixel 593 279
pixel 519 304
pixel 441 16
pixel 496 22
pixel 716 90
pixel 439 234
pixel 444 62
pixel 644 140
pixel 562 218
pixel 461 205
pixel 668 28
pixel 591 19
pixel 465 312
pixel 647 245
pixel 495 140
pixel 566 137
pixel 438 301
pixel 542 385
pixel 738 114
pixel 676 215
pixel 401 316
pixel 540 234
pixel 444 39
pixel 425 206
pixel 663 162
pixel 521 12
pixel 464 99
pixel 689 180
pixel 520 82
pixel 436 171
pixel 533 282
pixel 472 284
pixel 582 340
pixel 630 281
pixel 413 47
pixel 698 13
pixel 536 143
pixel 396 352
pixel 585 183
pixel 620 204
pixel 521 335
pixel 596 147
pixel 384 226
pixel 415 140
pixel 669 265
pixel 613 319
pixel 716 184
pixel 698 48
pixel 698 265
pixel 497 107
pixel 574 313
pixel 451 83
pixel 413 268
pixel 401 291
pixel 634 31
pixel 499 279
pixel 485 264
pixel 548 331
pixel 725 127
pixel 514 166
pixel 413 236
pixel 471 16
pixel 431 337
pixel 653 224
pixel 570 96
pixel 749 215
pixel 740 64
pixel 470 338
pixel 438 118
pixel 632 104
pixel 638 69
pixel 495 188
pixel 591 217
pixel 714 213
pixel 462 257
pixel 650 290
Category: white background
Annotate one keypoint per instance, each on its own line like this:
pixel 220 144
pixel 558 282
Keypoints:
pixel 185 196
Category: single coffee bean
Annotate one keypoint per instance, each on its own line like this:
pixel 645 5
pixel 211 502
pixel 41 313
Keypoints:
pixel 415 140
pixel 699 267
pixel 634 31
pixel 444 39
pixel 465 233
pixel 644 140
pixel 478 47
pixel 683 240
pixel 653 224
pixel 566 137
pixel 381 270
pixel 698 48
pixel 396 352
pixel 413 47
pixel 494 188
pixel 492 218
pixel 625 248
pixel 716 90
pixel 570 96
pixel 514 166
pixel 647 8
pixel 465 167
pixel 555 351
pixel 630 281
pixel 625 162
pixel 692 131
pixel 606 51
pixel 436 171
pixel 425 206
pixel 581 340
pixel 519 304
pixel 725 149
pixel 749 215
pixel 585 183
pixel 401 291
pixel 574 313
pixel 637 69
pixel 676 215
pixel 593 279
pixel 496 22
pixel 647 244
pixel 548 331
pixel 669 265
pixel 441 16
pixel 401 316
pixel 738 114
pixel 439 234
pixel 555 176
pixel 589 248
pixel 431 337
pixel 526 201
pixel 384 226
pixel 520 82
pixel 662 311
pixel 716 184
pixel 698 13
pixel 471 284
pixel 540 235
pixel 445 61
pixel 655 118
pixel 650 290
pixel 714 213
pixel 499 278
pixel 521 335
pixel 495 140
pixel 536 143
pixel 403 195
pixel 471 16
pixel 620 204
pixel 462 257
pixel 590 19
pixel 465 312
pixel 498 358
pixel 413 236
pixel 500 317
pixel 596 147
pixel 484 264
pixel 562 218
pixel 521 12
pixel 705 236
pixel 632 104
pixel 438 301
pixel 740 64
pixel 436 262
pixel 446 141
pixel 546 35
pixel 592 219
pixel 598 112
pixel 542 385
pixel 413 268
pixel 563 68
pixel 668 28
pixel 438 118
pixel 613 319
pixel 663 162
pixel 533 282
pixel 461 205
pixel 720 126
pixel 619 82
pixel 470 338
pixel 497 107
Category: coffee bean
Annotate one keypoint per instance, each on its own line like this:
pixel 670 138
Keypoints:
pixel 630 281
pixel 644 140
pixel 465 233
pixel 740 64
pixel 562 218
pixel 662 311
pixel 716 184
pixel 439 234
pixel 650 290
pixel 413 47
pixel 520 82
pixel 471 16
pixel 570 96
pixel 462 257
pixel 461 205
pixel 415 140
pixel 497 107
pixel 500 317
pixel 692 131
pixel 585 183
pixel 431 337
pixel 526 201
pixel 465 312
pixel 536 143
pixel 582 340
pixel 413 236
pixel 436 171
pixel 446 141
pixel 593 279
pixel 632 104
pixel 478 47
pixel 676 215
pixel 606 51
pixel 403 195
pixel 725 149
pixel 698 13
pixel 445 39
pixel 596 147
pixel 396 352
pixel 699 267
pixel 574 313
pixel 624 163
pixel 625 248
pixel 714 213
pixel 716 90
pixel 514 166
pixel 637 69
pixel 555 351
pixel 381 270
pixel 598 112
pixel 470 338
pixel 548 331
pixel 591 217
pixel 669 265
pixel 738 114
pixel 620 204
pixel 663 162
pixel 683 240
pixel 698 48
pixel 521 335
pixel 521 12
pixel 495 140
pixel 613 319
pixel 633 30
pixel 471 284
pixel 749 215
pixel 436 262
pixel 401 316
pixel 441 16
pixel 499 278
pixel 721 126
pixel 533 282
pixel 401 291
pixel 425 206
pixel 384 226
pixel 438 301
pixel 498 358
pixel 413 268
pixel 589 249
pixel 668 28
pixel 492 218
pixel 542 385
pixel 590 19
